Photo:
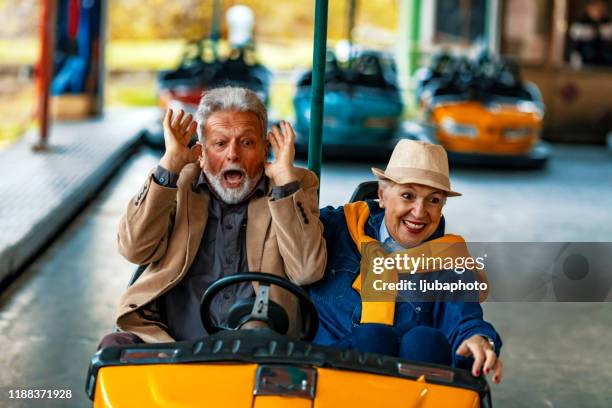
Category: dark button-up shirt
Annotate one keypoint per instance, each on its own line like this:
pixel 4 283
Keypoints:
pixel 222 252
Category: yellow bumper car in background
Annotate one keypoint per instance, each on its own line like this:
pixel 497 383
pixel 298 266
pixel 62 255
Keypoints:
pixel 481 112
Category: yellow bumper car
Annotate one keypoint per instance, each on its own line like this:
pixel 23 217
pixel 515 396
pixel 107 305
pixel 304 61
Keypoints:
pixel 266 368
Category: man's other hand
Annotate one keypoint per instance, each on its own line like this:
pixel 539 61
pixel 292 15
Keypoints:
pixel 282 139
pixel 178 131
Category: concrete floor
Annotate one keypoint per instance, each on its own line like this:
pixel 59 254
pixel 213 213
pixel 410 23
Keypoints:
pixel 556 355
pixel 42 191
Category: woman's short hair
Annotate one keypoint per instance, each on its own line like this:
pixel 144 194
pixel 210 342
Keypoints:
pixel 230 98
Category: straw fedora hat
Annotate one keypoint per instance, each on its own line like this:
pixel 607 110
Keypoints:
pixel 420 163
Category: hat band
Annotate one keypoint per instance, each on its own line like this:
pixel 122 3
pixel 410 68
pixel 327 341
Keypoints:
pixel 412 172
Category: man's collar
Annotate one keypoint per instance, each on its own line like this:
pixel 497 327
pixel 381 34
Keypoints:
pixel 201 182
pixel 261 189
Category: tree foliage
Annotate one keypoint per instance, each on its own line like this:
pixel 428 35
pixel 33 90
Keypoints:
pixel 148 19
pixel 19 18
pixel 164 19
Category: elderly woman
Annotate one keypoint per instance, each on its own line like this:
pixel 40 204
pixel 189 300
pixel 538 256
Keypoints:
pixel 412 192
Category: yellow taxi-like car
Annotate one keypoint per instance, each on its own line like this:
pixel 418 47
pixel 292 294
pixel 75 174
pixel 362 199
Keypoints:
pixel 264 368
pixel 482 112
pixel 496 134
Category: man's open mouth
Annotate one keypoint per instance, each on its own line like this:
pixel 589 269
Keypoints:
pixel 233 178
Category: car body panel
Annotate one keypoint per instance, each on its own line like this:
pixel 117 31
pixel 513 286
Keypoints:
pixel 364 390
pixel 176 385
pixel 232 385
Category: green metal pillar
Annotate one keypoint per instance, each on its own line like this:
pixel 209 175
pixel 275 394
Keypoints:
pixel 350 20
pixel 492 28
pixel 408 56
pixel 414 29
pixel 487 24
pixel 350 25
pixel 215 27
pixel 315 140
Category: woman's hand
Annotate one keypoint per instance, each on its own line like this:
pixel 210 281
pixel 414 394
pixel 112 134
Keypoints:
pixel 484 356
pixel 282 139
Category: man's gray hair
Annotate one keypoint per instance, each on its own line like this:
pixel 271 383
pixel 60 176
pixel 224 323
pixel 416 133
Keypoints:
pixel 230 98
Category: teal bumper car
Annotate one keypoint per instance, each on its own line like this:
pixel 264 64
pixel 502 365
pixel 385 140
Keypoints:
pixel 363 106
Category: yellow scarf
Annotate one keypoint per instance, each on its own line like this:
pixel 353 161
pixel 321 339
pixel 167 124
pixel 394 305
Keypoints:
pixel 356 215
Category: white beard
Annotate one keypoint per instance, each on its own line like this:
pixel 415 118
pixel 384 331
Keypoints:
pixel 231 195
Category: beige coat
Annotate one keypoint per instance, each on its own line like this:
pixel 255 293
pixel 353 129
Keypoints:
pixel 163 227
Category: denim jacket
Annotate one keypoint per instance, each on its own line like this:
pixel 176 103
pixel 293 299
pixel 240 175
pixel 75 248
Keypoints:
pixel 339 305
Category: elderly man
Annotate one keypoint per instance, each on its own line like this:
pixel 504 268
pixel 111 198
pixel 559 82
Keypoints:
pixel 214 210
pixel 408 216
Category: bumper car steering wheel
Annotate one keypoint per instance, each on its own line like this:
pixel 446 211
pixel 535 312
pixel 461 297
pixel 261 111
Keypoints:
pixel 260 308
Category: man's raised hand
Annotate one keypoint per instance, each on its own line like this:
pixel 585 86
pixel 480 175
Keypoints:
pixel 178 132
pixel 282 140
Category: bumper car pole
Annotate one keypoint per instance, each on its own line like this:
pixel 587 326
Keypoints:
pixel 215 30
pixel 315 145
